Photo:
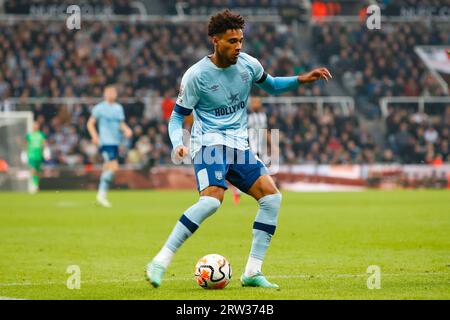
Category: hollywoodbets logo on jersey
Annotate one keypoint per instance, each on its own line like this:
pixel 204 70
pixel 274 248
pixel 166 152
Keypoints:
pixel 226 110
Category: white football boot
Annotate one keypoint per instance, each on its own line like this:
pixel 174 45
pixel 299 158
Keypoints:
pixel 101 200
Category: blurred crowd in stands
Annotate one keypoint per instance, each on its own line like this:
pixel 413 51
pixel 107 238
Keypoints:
pixel 125 7
pixel 236 3
pixel 378 63
pixel 44 59
pixel 331 138
pixel 52 7
pixel 305 137
pixel 415 137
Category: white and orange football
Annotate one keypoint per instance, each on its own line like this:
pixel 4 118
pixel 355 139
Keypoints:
pixel 213 271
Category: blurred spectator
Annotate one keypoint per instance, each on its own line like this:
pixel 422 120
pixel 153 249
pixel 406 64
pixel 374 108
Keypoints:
pixel 418 138
pixel 257 128
pixel 167 105
pixel 431 135
pixel 376 63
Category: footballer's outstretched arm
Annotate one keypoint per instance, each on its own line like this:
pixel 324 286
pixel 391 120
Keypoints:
pixel 278 85
pixel 314 75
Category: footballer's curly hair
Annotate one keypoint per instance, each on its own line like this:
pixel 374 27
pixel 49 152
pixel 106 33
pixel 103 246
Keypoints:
pixel 224 21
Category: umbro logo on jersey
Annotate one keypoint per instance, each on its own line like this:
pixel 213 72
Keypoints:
pixel 214 87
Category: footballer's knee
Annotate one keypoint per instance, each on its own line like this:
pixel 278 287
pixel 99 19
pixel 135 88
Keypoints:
pixel 199 212
pixel 111 166
pixel 214 192
pixel 262 187
pixel 271 202
pixel 210 203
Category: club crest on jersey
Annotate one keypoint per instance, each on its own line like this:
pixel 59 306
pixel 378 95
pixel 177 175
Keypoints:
pixel 219 175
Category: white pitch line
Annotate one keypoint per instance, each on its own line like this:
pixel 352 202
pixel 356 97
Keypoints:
pixel 10 298
pixel 312 276
pixel 294 276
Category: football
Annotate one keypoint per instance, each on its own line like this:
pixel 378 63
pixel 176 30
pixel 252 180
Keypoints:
pixel 213 271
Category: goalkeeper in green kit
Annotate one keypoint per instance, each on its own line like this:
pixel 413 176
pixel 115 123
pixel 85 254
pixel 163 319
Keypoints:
pixel 36 149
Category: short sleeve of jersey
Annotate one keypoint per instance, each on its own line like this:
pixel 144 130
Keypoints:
pixel 255 66
pixel 189 91
pixel 96 111
pixel 121 113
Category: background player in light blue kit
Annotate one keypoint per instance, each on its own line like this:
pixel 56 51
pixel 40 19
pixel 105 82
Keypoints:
pixel 110 118
pixel 216 89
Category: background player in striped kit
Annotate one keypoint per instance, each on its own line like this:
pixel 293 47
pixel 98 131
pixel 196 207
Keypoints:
pixel 257 129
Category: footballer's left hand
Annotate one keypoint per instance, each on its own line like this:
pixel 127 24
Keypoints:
pixel 314 75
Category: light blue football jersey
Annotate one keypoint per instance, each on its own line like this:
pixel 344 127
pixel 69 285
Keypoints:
pixel 219 98
pixel 109 117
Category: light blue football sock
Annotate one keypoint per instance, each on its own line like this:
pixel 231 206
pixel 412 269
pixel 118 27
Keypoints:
pixel 265 224
pixel 105 181
pixel 191 220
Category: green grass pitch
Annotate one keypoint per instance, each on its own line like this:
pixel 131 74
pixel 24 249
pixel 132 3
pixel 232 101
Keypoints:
pixel 321 250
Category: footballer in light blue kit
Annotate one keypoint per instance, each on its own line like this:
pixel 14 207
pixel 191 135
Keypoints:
pixel 216 90
pixel 110 118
